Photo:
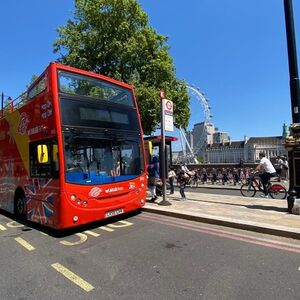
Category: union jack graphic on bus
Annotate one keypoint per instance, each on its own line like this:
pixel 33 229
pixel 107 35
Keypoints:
pixel 40 200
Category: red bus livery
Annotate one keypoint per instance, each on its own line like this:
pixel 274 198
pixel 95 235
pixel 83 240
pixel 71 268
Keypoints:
pixel 71 150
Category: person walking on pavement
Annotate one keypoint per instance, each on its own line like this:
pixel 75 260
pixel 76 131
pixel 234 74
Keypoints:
pixel 171 177
pixel 181 181
pixel 266 170
pixel 236 177
pixel 204 176
pixel 153 177
pixel 214 176
pixel 278 167
pixel 185 169
pixel 224 176
pixel 285 168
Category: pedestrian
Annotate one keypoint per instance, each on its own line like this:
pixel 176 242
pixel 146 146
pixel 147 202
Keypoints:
pixel 181 181
pixel 195 178
pixel 153 178
pixel 236 177
pixel 278 165
pixel 185 169
pixel 224 176
pixel 171 177
pixel 204 176
pixel 285 168
pixel 214 176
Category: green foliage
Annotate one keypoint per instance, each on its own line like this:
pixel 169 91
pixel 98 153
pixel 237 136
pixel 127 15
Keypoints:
pixel 200 159
pixel 113 38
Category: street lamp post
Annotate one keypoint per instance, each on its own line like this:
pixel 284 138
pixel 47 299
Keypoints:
pixel 293 141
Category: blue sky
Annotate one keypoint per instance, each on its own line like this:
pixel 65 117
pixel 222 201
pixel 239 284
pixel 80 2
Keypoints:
pixel 234 51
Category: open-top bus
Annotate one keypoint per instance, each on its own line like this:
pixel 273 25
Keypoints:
pixel 71 150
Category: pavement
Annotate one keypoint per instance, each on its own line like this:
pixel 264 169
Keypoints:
pixel 264 215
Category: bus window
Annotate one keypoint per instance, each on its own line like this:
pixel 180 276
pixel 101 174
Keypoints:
pixel 43 159
pixel 39 87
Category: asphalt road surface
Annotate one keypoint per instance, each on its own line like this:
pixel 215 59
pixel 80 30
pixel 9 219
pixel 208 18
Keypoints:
pixel 146 256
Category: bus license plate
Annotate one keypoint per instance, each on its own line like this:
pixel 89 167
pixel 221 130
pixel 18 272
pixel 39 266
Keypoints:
pixel 114 212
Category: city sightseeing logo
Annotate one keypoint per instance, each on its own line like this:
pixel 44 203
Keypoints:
pixel 23 123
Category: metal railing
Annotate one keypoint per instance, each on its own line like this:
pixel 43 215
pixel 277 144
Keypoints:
pixel 12 104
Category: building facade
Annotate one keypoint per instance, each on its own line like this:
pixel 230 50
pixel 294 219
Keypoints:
pixel 245 151
pixel 221 137
pixel 202 135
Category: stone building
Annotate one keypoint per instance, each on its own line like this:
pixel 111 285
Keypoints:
pixel 244 151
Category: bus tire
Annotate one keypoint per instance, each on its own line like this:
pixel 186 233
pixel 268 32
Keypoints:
pixel 20 204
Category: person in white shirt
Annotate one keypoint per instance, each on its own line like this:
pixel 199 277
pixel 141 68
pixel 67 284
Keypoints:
pixel 278 167
pixel 171 177
pixel 266 170
pixel 185 169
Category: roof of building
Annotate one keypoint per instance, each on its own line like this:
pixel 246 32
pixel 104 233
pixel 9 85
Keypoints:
pixel 241 144
pixel 263 138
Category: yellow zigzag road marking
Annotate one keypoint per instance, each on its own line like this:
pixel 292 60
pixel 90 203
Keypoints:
pixel 106 229
pixel 25 244
pixel 73 277
pixel 124 224
pixel 82 239
pixel 14 224
pixel 92 233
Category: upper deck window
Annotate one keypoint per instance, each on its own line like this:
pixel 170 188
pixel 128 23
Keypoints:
pixel 39 87
pixel 71 83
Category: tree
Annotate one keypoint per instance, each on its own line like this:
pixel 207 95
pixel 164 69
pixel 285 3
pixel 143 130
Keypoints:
pixel 113 38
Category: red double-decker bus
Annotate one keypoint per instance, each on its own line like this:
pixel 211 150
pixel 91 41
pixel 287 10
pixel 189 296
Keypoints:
pixel 71 150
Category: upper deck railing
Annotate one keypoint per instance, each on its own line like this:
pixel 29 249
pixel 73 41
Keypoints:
pixel 12 104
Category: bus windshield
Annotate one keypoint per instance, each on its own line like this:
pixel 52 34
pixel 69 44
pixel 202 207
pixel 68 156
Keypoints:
pixel 94 160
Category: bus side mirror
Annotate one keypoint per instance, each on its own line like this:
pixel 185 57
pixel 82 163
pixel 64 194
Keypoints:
pixel 54 153
pixel 42 152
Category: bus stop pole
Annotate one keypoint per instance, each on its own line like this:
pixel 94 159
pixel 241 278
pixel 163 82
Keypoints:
pixel 163 151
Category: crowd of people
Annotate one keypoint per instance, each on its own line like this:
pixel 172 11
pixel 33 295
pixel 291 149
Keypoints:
pixel 183 176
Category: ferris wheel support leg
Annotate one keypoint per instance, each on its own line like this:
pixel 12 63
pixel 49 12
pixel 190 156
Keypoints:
pixel 188 145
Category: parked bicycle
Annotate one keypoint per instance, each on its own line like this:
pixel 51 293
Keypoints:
pixel 275 190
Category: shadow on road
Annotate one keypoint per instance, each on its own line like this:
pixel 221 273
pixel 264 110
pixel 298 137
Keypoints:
pixel 263 207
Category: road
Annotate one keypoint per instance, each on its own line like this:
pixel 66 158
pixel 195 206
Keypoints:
pixel 146 256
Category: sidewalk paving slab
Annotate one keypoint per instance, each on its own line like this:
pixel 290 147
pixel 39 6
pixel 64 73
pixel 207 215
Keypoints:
pixel 262 215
